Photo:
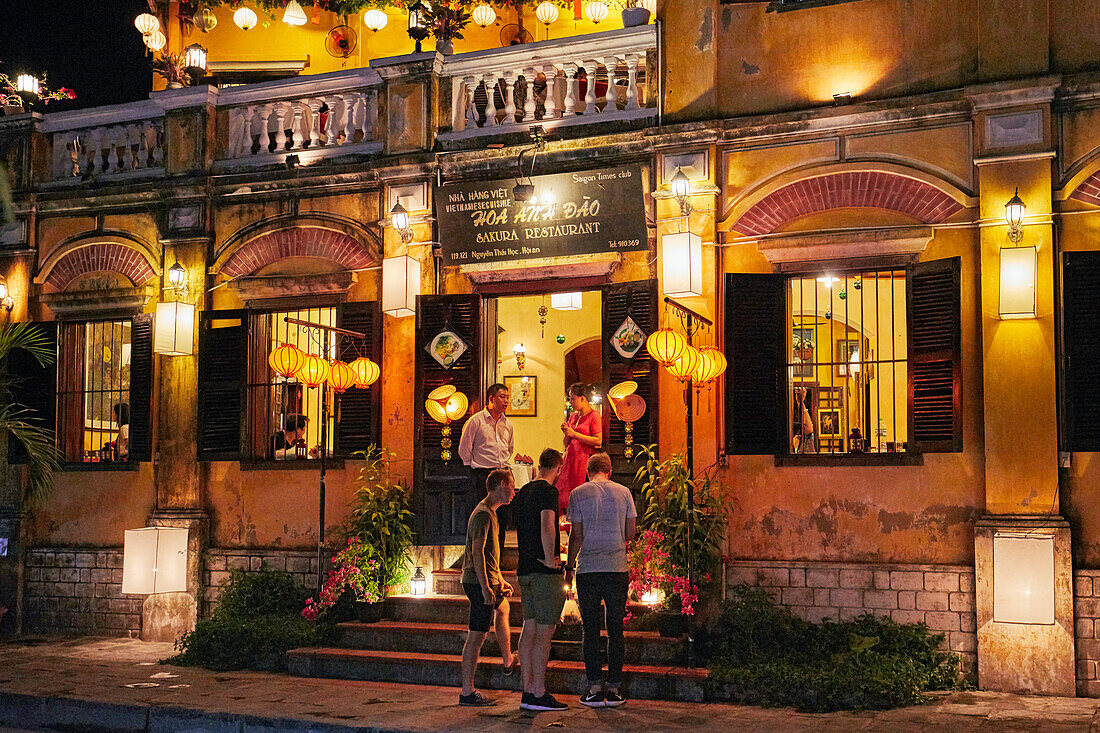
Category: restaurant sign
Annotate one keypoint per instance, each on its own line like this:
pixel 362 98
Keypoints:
pixel 586 212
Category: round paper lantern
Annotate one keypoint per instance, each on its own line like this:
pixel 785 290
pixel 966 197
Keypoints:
pixel 484 15
pixel 375 19
pixel 456 406
pixel 286 360
pixel 205 20
pixel 155 41
pixel 715 362
pixel 313 372
pixel 547 12
pixel 146 23
pixel 595 11
pixel 245 18
pixel 340 377
pixel 683 367
pixel 665 345
pixel 294 15
pixel 366 372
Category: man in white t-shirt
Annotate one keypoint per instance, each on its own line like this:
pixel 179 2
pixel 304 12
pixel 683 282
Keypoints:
pixel 602 515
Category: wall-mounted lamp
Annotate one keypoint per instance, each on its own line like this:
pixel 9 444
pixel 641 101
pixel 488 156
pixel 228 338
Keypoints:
pixel 154 560
pixel 6 301
pixel 27 83
pixel 682 259
pixel 1019 267
pixel 400 218
pixel 418 23
pixel 1014 215
pixel 681 189
pixel 194 58
pixel 400 285
pixel 174 322
pixel 520 352
pixel 176 276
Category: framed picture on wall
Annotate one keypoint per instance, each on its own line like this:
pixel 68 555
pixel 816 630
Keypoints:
pixel 845 350
pixel 523 396
pixel 828 423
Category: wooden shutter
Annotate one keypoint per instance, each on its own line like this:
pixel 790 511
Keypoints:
pixel 141 387
pixel 36 389
pixel 358 408
pixel 443 496
pixel 223 340
pixel 935 373
pixel 639 301
pixel 756 341
pixel 1081 309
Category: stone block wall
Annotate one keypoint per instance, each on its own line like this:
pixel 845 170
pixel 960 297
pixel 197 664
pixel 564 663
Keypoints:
pixel 1086 613
pixel 78 591
pixel 941 596
pixel 218 563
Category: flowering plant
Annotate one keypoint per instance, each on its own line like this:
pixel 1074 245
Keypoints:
pixel 652 575
pixel 10 95
pixel 354 568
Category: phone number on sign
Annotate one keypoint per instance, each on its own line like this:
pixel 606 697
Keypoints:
pixel 622 243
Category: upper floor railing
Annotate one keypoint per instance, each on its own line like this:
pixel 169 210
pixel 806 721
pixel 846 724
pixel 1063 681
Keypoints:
pixel 119 140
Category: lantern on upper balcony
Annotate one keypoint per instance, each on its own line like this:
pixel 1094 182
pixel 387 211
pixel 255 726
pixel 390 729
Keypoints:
pixel 596 11
pixel 484 15
pixel 146 23
pixel 194 57
pixel 245 18
pixel 294 15
pixel 375 19
pixel 547 12
pixel 205 20
pixel 155 41
pixel 418 23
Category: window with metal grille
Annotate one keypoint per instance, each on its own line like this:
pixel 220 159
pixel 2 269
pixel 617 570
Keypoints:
pixel 93 397
pixel 283 416
pixel 848 369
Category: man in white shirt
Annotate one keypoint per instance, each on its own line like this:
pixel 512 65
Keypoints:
pixel 486 445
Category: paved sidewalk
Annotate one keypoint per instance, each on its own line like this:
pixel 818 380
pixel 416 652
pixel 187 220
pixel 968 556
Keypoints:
pixel 119 685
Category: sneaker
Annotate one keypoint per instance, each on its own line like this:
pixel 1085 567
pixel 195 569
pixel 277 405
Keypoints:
pixel 593 699
pixel 546 703
pixel 475 700
pixel 613 698
pixel 511 668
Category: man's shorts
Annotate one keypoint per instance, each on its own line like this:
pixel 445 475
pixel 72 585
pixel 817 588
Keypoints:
pixel 543 597
pixel 481 613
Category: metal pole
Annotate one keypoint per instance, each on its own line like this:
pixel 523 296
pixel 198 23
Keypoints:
pixel 321 492
pixel 691 497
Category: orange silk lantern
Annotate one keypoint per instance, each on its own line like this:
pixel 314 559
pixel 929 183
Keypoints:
pixel 340 376
pixel 286 360
pixel 313 372
pixel 665 346
pixel 684 366
pixel 366 372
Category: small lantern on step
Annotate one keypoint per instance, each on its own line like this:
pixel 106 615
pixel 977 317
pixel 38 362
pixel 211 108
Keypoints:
pixel 419 584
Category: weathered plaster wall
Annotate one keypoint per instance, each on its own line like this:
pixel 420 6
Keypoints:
pixel 93 508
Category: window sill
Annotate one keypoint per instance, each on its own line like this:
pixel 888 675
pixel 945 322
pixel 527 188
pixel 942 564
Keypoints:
pixel 103 466
pixel 304 464
pixel 852 459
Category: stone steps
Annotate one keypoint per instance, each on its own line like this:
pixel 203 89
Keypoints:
pixel 455 609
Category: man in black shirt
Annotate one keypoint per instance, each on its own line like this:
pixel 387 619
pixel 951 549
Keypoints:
pixel 535 513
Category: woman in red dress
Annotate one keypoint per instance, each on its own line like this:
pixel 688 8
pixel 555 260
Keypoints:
pixel 583 437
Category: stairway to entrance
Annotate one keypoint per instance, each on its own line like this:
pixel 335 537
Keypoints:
pixel 420 642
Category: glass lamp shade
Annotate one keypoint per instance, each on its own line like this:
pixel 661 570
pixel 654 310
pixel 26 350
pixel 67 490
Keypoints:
pixel 174 329
pixel 340 376
pixel 366 372
pixel 683 367
pixel 400 286
pixel 375 19
pixel 416 18
pixel 418 584
pixel 1014 215
pixel 286 360
pixel 313 372
pixel 595 11
pixel 566 301
pixel 146 23
pixel 1019 266
pixel 399 215
pixel 154 560
pixel 177 275
pixel 205 20
pixel 665 346
pixel 3 287
pixel 547 12
pixel 294 15
pixel 484 15
pixel 27 83
pixel 194 57
pixel 155 41
pixel 681 186
pixel 245 18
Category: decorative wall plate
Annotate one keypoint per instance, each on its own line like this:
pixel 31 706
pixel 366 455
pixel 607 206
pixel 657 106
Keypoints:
pixel 446 347
pixel 628 339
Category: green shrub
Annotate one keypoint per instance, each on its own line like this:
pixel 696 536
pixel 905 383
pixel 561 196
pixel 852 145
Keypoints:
pixel 257 621
pixel 761 653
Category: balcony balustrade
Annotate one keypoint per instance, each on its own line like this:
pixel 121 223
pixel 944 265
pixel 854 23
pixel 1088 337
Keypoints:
pixel 117 141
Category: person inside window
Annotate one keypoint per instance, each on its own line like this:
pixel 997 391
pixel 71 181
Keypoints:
pixel 285 443
pixel 122 442
pixel 583 436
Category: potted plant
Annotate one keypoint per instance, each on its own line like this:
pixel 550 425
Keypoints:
pixel 173 68
pixel 655 582
pixel 355 569
pixel 635 13
pixel 803 348
pixel 447 21
pixel 381 517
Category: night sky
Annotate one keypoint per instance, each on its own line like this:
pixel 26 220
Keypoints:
pixel 90 46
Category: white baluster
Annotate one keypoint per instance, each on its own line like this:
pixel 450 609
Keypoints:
pixel 632 81
pixel 330 126
pixel 370 116
pixel 156 133
pixel 351 105
pixel 491 105
pixel 550 105
pixel 299 135
pixel 610 101
pixel 509 98
pixel 570 89
pixel 529 75
pixel 110 135
pixel 244 144
pixel 314 122
pixel 280 127
pixel 590 91
pixel 132 142
pixel 265 134
pixel 469 85
pixel 92 156
pixel 143 152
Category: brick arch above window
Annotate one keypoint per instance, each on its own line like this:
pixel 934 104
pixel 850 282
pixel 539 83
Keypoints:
pixel 849 189
pixel 99 257
pixel 273 246
pixel 1088 190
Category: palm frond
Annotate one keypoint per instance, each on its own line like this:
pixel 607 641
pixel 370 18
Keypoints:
pixel 42 454
pixel 29 337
